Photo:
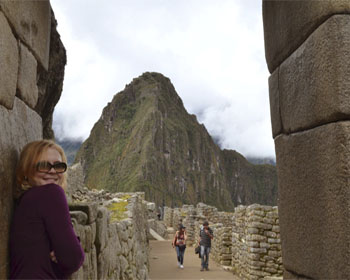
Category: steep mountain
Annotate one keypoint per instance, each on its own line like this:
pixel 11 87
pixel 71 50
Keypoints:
pixel 70 147
pixel 146 141
pixel 262 160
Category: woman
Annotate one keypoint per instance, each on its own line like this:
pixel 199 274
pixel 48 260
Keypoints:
pixel 179 243
pixel 43 244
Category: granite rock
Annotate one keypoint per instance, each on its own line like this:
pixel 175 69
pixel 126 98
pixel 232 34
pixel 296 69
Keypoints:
pixel 314 82
pixel 287 24
pixel 18 127
pixel 9 64
pixel 313 172
pixel 31 21
pixel 27 87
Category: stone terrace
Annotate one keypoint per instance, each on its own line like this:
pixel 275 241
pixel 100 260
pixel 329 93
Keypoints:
pixel 114 236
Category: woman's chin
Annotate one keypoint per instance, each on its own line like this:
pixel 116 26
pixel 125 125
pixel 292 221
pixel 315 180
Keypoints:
pixel 50 181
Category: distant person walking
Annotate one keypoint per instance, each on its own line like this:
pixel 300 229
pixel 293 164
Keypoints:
pixel 205 237
pixel 179 243
pixel 161 213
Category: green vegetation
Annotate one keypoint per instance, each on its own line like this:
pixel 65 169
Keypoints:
pixel 118 209
pixel 146 141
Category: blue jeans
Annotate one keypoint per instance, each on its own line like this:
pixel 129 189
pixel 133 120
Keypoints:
pixel 205 256
pixel 180 255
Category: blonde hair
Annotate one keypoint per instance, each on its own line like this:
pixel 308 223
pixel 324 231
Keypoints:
pixel 28 159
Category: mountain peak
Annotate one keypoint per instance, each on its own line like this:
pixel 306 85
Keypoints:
pixel 146 141
pixel 152 83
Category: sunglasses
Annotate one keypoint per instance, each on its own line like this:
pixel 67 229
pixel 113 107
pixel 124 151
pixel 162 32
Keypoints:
pixel 45 167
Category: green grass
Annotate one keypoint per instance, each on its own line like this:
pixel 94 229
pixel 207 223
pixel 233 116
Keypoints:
pixel 118 209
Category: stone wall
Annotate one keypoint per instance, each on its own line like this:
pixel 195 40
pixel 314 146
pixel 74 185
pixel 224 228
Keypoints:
pixel 209 212
pixel 153 223
pixel 307 51
pixel 32 60
pixel 256 243
pixel 222 244
pixel 114 238
pixel 248 240
pixel 168 216
pixel 192 217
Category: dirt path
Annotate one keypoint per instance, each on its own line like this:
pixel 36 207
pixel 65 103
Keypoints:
pixel 163 265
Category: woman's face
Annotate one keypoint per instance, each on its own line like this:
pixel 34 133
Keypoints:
pixel 52 156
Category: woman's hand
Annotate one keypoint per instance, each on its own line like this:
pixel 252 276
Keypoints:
pixel 53 257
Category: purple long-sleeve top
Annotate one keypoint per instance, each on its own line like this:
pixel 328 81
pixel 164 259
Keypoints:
pixel 42 224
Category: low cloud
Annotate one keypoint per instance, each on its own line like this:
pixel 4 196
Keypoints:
pixel 212 51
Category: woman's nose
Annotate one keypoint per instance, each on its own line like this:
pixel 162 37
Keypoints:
pixel 52 170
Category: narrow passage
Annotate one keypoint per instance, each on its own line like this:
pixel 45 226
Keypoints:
pixel 163 265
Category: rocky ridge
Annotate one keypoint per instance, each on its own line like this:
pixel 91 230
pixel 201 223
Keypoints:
pixel 146 141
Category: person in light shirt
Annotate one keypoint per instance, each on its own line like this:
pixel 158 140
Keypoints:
pixel 179 243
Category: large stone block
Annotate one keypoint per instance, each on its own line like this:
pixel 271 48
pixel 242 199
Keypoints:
pixel 17 127
pixel 80 216
pixel 102 223
pixel 28 90
pixel 287 24
pixel 8 64
pixel 31 20
pixel 91 209
pixel 314 194
pixel 114 239
pixel 314 82
pixel 89 268
pixel 275 110
pixel 287 275
pixel 107 262
pixel 50 82
pixel 79 230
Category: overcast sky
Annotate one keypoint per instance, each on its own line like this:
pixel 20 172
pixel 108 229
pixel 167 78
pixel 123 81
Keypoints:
pixel 212 51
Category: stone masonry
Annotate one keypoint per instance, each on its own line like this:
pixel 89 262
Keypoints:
pixel 113 229
pixel 222 244
pixel 114 237
pixel 256 242
pixel 307 52
pixel 247 241
pixel 32 60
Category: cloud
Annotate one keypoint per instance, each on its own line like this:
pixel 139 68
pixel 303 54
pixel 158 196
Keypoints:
pixel 212 51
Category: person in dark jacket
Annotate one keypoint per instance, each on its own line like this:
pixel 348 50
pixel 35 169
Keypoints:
pixel 43 244
pixel 205 237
